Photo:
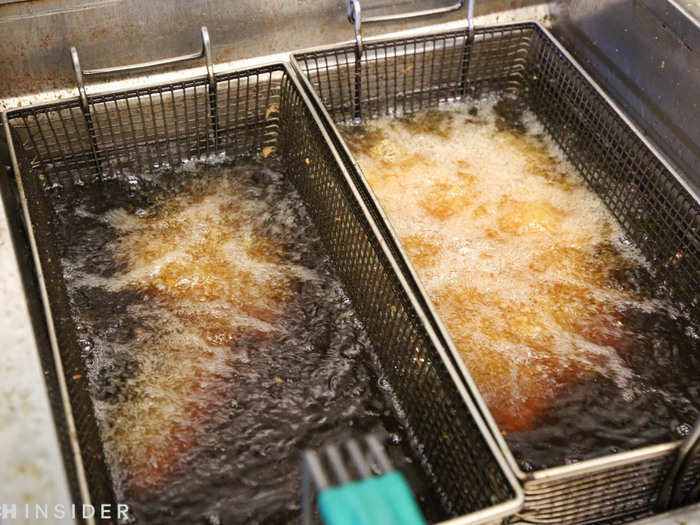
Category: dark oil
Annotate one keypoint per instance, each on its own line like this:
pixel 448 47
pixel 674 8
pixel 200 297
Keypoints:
pixel 219 343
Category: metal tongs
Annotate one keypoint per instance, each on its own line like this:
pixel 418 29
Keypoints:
pixel 352 494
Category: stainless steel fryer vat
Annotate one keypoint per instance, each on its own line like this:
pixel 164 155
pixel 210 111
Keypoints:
pixel 244 113
pixel 361 80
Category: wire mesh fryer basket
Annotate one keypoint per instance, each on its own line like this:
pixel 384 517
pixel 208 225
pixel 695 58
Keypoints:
pixel 392 76
pixel 70 144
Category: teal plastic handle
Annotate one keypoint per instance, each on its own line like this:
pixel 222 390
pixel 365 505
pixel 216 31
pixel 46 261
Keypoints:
pixel 382 500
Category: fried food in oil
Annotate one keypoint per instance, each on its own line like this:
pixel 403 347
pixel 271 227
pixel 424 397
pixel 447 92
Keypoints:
pixel 221 286
pixel 506 241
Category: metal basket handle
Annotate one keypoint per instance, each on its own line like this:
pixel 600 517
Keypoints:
pixel 355 17
pixel 143 66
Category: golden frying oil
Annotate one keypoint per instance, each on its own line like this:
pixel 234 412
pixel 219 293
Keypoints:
pixel 213 287
pixel 514 251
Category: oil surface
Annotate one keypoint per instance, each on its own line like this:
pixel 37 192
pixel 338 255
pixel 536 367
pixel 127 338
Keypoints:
pixel 575 350
pixel 218 342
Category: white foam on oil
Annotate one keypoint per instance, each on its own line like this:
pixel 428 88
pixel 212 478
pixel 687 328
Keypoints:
pixel 511 247
pixel 214 288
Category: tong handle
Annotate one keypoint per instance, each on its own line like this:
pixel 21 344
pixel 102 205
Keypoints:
pixel 355 17
pixel 383 499
pixel 204 53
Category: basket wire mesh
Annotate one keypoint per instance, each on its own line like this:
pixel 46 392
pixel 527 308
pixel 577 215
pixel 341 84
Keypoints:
pixel 259 108
pixel 654 204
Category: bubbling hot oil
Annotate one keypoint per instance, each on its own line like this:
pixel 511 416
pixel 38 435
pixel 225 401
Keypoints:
pixel 212 287
pixel 219 344
pixel 521 260
pixel 220 288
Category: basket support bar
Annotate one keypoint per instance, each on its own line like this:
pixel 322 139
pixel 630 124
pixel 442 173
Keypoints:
pixel 80 73
pixel 355 17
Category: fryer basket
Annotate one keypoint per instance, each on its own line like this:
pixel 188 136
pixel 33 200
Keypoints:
pixel 244 114
pixel 656 206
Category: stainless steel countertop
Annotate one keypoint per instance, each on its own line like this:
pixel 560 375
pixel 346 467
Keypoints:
pixel 686 516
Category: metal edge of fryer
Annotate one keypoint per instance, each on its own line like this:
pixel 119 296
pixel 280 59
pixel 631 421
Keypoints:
pixel 552 473
pixel 76 451
pixel 488 515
